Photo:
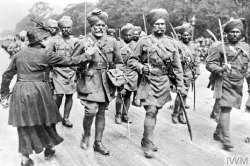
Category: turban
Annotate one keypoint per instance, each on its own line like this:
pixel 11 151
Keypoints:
pixel 36 35
pixel 96 15
pixel 185 27
pixel 137 30
pixel 65 21
pixel 127 27
pixel 233 23
pixel 52 23
pixel 156 14
pixel 110 31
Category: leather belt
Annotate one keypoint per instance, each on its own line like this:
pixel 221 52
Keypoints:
pixel 33 77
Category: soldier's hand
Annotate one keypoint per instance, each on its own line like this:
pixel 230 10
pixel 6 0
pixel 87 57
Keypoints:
pixel 90 51
pixel 123 92
pixel 226 68
pixel 145 69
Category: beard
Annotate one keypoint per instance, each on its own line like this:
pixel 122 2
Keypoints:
pixel 98 32
pixel 159 31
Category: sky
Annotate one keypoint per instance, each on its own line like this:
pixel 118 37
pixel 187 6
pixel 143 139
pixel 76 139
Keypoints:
pixel 12 11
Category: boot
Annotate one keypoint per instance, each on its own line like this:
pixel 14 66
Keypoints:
pixel 175 118
pixel 29 162
pixel 125 119
pixel 99 129
pixel 147 147
pixel 154 147
pixel 217 134
pixel 224 121
pixel 84 144
pixel 87 122
pixel 49 153
pixel 181 119
pixel 99 147
pixel 67 123
pixel 118 119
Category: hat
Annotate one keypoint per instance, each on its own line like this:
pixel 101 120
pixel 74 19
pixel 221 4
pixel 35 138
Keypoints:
pixel 185 27
pixel 36 35
pixel 52 23
pixel 233 23
pixel 156 14
pixel 125 28
pixel 95 15
pixel 65 21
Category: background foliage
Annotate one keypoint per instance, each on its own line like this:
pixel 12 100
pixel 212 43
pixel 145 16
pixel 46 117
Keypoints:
pixel 207 13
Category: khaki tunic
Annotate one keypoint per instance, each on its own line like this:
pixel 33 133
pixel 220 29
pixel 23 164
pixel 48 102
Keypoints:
pixel 92 82
pixel 154 89
pixel 131 75
pixel 228 86
pixel 190 63
pixel 63 77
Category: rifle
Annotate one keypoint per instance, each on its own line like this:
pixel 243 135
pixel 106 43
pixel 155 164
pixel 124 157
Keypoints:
pixel 40 24
pixel 172 78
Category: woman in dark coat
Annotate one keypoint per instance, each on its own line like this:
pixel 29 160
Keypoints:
pixel 32 108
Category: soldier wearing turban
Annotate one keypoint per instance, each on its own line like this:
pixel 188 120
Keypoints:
pixel 64 77
pixel 93 88
pixel 53 26
pixel 152 56
pixel 228 78
pixel 190 66
pixel 124 93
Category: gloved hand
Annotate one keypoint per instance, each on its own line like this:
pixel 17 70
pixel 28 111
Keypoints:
pixel 145 69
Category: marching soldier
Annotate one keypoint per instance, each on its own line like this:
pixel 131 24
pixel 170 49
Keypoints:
pixel 94 89
pixel 229 83
pixel 124 93
pixel 64 77
pixel 190 66
pixel 155 55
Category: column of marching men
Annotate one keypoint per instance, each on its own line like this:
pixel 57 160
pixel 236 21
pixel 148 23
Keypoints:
pixel 56 64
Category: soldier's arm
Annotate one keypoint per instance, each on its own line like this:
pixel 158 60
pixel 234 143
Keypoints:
pixel 134 62
pixel 213 60
pixel 177 69
pixel 8 76
pixel 63 61
pixel 117 55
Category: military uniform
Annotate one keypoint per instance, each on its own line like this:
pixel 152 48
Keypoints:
pixel 190 66
pixel 63 77
pixel 123 102
pixel 228 85
pixel 94 89
pixel 154 87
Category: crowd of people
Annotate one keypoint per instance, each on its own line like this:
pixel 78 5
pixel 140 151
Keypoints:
pixel 54 63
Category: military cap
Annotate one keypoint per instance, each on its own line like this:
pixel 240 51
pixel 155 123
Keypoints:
pixel 185 27
pixel 156 14
pixel 234 23
pixel 65 21
pixel 95 15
